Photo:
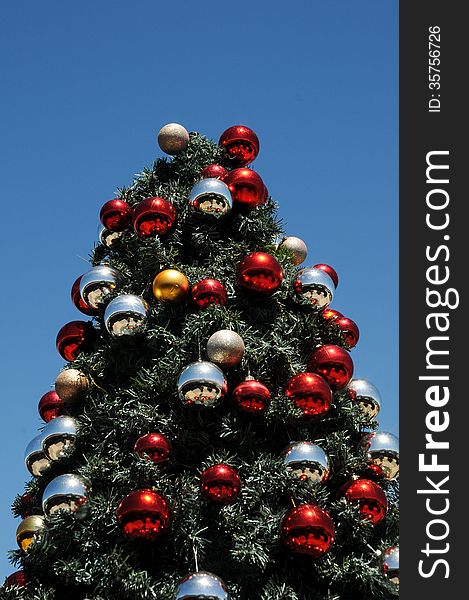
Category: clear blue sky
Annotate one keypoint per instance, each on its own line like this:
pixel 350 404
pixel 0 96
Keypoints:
pixel 86 87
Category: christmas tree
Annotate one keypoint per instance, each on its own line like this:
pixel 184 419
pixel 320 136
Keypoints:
pixel 206 437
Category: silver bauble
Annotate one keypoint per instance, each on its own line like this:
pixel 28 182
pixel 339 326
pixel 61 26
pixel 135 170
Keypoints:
pixel 107 237
pixel 97 283
pixel 58 436
pixel 201 586
pixel 125 315
pixel 225 348
pixel 173 138
pixel 382 449
pixel 307 461
pixel 35 460
pixel 391 564
pixel 315 285
pixel 297 247
pixel 366 395
pixel 211 196
pixel 201 383
pixel 66 492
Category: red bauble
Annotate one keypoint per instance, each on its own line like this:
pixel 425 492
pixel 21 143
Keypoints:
pixel 260 272
pixel 154 216
pixel 349 330
pixel 333 363
pixel 330 271
pixel 310 393
pixel 75 337
pixel 241 143
pixel 29 506
pixel 252 396
pixel 143 514
pixel 246 187
pixel 374 471
pixel 50 406
pixel 265 196
pixel 329 314
pixel 220 483
pixel 78 300
pixel 214 170
pixel 116 215
pixel 307 529
pixel 369 497
pixel 153 446
pixel 18 578
pixel 208 291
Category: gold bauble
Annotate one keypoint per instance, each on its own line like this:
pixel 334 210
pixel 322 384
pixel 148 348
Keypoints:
pixel 297 247
pixel 173 138
pixel 71 385
pixel 225 348
pixel 170 286
pixel 27 530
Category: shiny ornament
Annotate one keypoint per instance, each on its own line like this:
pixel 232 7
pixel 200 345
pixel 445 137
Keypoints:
pixel 241 143
pixel 382 449
pixel 75 337
pixel 29 506
pixel 297 247
pixel 310 393
pixel 391 564
pixel 107 237
pixel 17 579
pixel 170 286
pixel 329 314
pixel 116 215
pixel 265 195
pixel 220 483
pixel 369 497
pixel 213 171
pixel 97 283
pixel 225 348
pixel 201 383
pixel 67 492
pixel 365 395
pixel 246 187
pixel 208 291
pixel 307 529
pixel 27 531
pixel 211 196
pixel 125 315
pixel 153 446
pixel 143 514
pixel 50 406
pixel 35 460
pixel 251 396
pixel 307 461
pixel 330 271
pixel 260 272
pixel 333 363
pixel 349 331
pixel 154 217
pixel 316 286
pixel 201 586
pixel 78 300
pixel 173 138
pixel 58 436
pixel 71 385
